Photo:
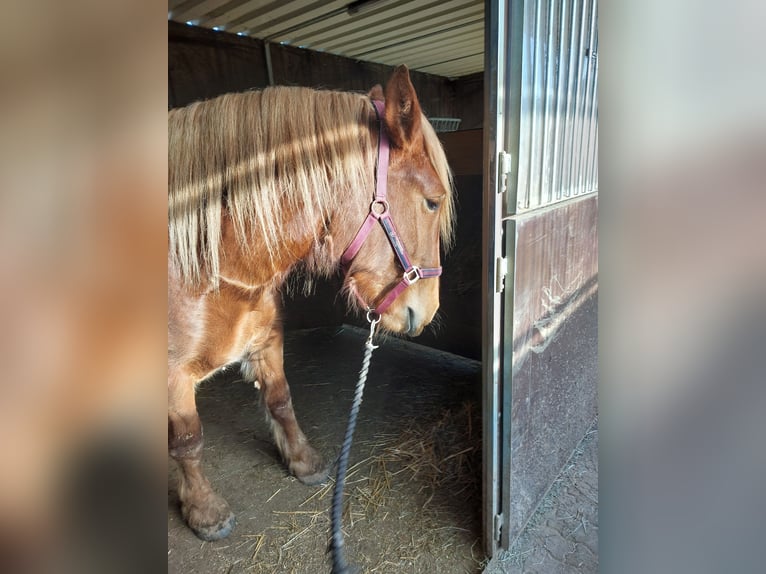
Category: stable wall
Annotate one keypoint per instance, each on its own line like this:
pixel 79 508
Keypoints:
pixel 203 63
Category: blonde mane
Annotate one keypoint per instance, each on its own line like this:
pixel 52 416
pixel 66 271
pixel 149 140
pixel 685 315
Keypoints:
pixel 438 159
pixel 256 156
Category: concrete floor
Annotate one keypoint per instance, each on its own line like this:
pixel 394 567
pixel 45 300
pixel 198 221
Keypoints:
pixel 562 535
pixel 417 523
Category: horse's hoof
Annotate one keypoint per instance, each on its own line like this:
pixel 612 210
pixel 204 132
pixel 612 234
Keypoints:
pixel 310 468
pixel 317 478
pixel 216 531
pixel 209 516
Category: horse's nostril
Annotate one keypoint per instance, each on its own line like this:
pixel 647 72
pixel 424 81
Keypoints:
pixel 410 320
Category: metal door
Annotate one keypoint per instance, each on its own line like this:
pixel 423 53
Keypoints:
pixel 540 273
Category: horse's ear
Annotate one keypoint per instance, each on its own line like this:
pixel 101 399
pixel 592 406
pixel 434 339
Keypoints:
pixel 376 93
pixel 402 109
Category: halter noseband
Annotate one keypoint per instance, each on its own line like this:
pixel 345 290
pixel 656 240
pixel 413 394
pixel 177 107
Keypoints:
pixel 379 211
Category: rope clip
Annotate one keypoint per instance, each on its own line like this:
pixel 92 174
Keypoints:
pixel 373 318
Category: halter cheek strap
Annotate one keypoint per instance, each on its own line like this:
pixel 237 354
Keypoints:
pixel 379 212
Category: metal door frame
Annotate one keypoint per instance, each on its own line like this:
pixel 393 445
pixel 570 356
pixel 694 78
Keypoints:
pixel 495 36
pixel 505 115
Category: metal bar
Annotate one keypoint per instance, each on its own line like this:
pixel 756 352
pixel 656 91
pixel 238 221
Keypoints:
pixel 426 39
pixel 377 35
pixel 549 142
pixel 495 42
pixel 526 89
pixel 582 140
pixel 595 162
pixel 590 99
pixel 538 94
pixel 579 100
pixel 269 68
pixel 516 90
pixel 472 63
pixel 420 48
pixel 189 10
pixel 308 30
pixel 571 93
pixel 561 98
pixel 266 17
pixel 591 176
pixel 594 172
pixel 426 66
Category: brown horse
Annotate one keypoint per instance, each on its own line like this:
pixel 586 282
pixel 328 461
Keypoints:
pixel 264 183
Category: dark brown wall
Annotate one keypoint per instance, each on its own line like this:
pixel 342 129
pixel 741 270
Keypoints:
pixel 469 96
pixel 203 63
pixel 458 328
pixel 299 67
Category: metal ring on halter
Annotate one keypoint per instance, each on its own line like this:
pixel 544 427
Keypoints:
pixel 412 275
pixel 376 317
pixel 381 204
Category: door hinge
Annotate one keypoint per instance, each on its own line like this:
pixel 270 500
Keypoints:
pixel 501 270
pixel 504 164
pixel 498 526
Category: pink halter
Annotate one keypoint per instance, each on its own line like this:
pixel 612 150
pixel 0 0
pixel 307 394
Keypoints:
pixel 379 211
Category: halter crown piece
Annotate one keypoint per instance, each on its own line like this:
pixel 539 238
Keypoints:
pixel 379 211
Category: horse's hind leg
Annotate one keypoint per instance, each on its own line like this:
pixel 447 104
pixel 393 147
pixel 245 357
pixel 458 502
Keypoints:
pixel 266 366
pixel 206 513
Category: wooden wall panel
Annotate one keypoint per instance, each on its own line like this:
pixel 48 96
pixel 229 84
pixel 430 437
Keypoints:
pixel 469 99
pixel 297 67
pixel 464 150
pixel 203 64
pixel 458 327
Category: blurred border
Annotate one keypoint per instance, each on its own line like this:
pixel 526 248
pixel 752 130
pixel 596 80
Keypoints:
pixel 682 270
pixel 82 286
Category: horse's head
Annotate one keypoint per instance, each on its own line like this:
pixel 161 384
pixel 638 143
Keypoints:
pixel 420 202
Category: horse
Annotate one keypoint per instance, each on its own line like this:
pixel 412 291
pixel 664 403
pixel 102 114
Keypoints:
pixel 265 184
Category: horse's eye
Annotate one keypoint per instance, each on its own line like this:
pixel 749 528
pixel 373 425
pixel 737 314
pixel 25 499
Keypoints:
pixel 432 205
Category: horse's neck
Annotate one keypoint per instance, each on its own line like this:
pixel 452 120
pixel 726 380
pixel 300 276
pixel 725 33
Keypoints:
pixel 310 237
pixel 251 265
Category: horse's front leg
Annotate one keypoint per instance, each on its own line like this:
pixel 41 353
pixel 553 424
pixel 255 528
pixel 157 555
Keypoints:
pixel 266 366
pixel 205 512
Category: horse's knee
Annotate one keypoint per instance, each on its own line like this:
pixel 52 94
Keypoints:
pixel 281 409
pixel 184 437
pixel 302 460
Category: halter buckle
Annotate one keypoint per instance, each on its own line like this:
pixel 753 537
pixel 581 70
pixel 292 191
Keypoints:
pixel 412 275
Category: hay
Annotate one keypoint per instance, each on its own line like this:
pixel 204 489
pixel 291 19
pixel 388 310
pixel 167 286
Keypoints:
pixel 413 504
pixel 442 455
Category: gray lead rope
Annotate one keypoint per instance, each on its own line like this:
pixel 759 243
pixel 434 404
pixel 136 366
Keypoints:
pixel 339 564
